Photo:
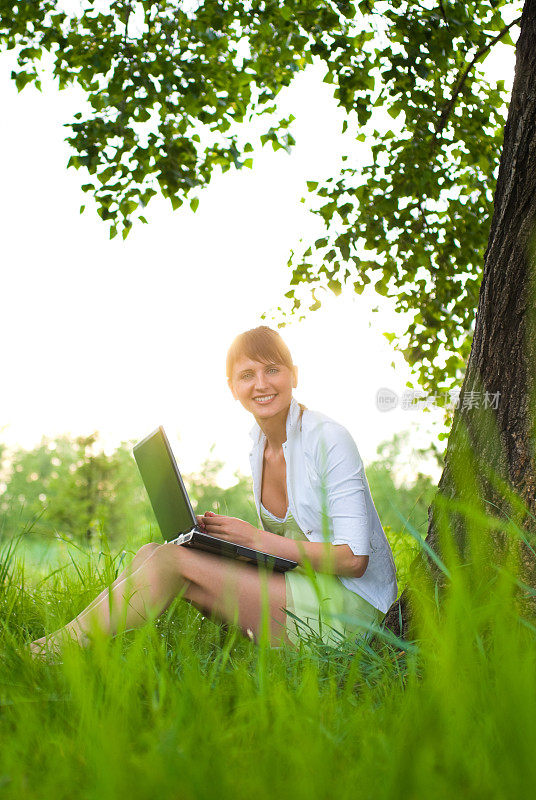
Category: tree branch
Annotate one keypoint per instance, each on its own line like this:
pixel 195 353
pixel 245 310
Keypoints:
pixel 445 114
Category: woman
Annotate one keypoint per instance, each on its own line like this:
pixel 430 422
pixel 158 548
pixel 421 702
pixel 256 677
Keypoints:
pixel 315 507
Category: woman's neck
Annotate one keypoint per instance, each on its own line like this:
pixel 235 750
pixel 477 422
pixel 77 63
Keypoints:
pixel 275 430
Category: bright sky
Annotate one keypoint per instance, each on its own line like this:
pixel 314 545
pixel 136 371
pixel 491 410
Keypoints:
pixel 120 337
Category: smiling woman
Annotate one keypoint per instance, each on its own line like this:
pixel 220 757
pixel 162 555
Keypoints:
pixel 260 372
pixel 314 507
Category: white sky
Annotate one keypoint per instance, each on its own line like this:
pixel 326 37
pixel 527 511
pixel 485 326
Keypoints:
pixel 120 337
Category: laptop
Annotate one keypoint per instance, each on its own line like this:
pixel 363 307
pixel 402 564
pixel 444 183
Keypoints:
pixel 173 509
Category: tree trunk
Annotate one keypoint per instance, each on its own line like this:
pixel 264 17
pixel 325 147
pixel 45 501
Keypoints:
pixel 495 447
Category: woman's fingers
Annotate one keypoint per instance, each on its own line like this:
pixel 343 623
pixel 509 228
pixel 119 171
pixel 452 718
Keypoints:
pixel 216 524
pixel 210 518
pixel 218 532
pixel 215 527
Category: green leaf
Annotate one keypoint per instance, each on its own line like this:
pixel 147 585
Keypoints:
pixel 22 79
pixel 335 286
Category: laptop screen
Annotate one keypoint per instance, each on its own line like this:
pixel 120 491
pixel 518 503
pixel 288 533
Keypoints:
pixel 162 479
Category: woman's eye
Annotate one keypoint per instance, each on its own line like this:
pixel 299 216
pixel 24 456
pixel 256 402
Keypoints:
pixel 273 369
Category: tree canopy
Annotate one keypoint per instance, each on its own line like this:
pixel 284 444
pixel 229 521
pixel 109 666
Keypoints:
pixel 173 88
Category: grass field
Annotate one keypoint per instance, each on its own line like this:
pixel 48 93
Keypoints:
pixel 186 708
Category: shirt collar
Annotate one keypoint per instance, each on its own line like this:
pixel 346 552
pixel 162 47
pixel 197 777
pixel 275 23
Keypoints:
pixel 291 423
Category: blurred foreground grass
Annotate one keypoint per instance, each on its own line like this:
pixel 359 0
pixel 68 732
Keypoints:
pixel 186 708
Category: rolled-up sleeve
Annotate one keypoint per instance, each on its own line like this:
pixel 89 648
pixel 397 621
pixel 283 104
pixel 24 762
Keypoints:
pixel 342 479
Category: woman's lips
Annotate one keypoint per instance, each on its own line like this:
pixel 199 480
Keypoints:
pixel 263 400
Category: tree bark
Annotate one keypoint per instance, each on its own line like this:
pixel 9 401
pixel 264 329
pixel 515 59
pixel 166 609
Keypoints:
pixel 495 448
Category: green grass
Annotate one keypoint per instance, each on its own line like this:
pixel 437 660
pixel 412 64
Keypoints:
pixel 186 708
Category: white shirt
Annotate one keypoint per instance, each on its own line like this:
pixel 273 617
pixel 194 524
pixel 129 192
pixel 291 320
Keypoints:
pixel 329 497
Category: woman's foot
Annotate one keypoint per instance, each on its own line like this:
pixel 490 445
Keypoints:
pixel 45 650
pixel 50 647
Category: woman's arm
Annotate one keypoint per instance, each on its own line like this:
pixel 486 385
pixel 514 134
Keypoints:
pixel 322 556
pixel 343 487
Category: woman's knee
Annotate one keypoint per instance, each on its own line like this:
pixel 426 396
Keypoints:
pixel 169 560
pixel 146 551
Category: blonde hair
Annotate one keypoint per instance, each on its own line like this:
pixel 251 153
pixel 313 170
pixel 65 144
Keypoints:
pixel 260 344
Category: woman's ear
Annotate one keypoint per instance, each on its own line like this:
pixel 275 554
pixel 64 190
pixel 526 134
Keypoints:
pixel 294 376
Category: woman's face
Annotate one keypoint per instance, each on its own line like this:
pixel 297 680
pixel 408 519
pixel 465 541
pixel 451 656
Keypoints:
pixel 263 389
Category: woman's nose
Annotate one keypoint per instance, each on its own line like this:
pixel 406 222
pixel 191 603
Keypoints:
pixel 260 381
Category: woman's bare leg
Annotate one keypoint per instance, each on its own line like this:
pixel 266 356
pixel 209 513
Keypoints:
pixel 142 554
pixel 231 591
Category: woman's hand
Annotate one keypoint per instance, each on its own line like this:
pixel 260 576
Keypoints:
pixel 229 528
